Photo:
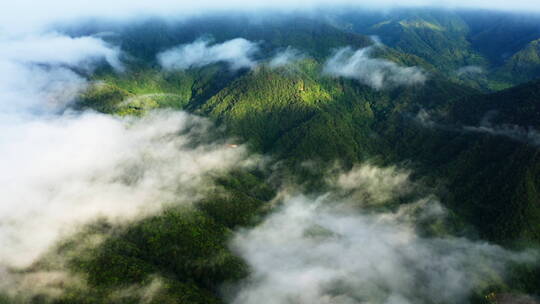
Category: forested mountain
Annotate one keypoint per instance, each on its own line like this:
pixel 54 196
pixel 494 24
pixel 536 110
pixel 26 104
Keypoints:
pixel 450 96
pixel 297 115
pixel 487 44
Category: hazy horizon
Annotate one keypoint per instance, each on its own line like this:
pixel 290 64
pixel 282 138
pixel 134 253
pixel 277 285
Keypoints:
pixel 28 15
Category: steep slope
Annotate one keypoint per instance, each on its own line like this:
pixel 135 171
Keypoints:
pixel 477 151
pixel 498 35
pixel 439 37
pixel 518 106
pixel 299 115
pixel 490 176
pixel 142 41
pixel 487 50
pixel 486 148
pixel 524 64
pixel 143 88
pixel 461 167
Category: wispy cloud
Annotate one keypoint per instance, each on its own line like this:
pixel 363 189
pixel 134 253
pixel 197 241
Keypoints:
pixel 63 172
pixel 323 250
pixel 39 76
pixel 376 39
pixel 61 169
pixel 237 53
pixel 286 57
pixel 525 134
pixel 57 49
pixel 374 185
pixel 374 72
pixel 528 135
pixel 425 119
pixel 470 70
pixel 24 14
pixel 37 71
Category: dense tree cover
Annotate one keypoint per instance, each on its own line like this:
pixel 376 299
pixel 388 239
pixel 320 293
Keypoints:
pixel 438 37
pixel 180 255
pixel 298 116
pixel 149 37
pixel 501 45
pixel 487 174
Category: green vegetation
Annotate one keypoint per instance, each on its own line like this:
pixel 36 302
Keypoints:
pixel 524 64
pixel 298 117
pixel 503 45
pixel 180 255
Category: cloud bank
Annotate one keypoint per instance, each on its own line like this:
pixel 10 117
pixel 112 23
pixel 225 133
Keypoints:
pixel 39 76
pixel 237 53
pixel 64 172
pixel 62 169
pixel 376 73
pixel 327 250
pixel 28 14
pixel 37 72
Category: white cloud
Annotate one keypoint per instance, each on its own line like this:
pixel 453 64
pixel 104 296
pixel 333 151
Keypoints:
pixel 323 250
pixel 376 39
pixel 36 89
pixel 286 57
pixel 376 73
pixel 57 49
pixel 36 71
pixel 29 14
pixel 527 135
pixel 61 172
pixel 424 118
pixel 371 184
pixel 470 70
pixel 237 53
